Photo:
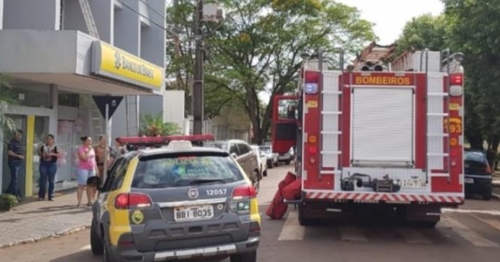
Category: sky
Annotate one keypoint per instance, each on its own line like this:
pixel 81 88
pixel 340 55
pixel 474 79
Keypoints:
pixel 389 17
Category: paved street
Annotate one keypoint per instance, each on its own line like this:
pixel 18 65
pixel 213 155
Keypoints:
pixel 469 234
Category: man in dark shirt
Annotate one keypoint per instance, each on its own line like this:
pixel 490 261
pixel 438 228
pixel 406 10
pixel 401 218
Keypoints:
pixel 15 161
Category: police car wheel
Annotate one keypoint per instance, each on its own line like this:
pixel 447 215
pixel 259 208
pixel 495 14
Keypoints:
pixel 106 257
pixel 95 242
pixel 245 257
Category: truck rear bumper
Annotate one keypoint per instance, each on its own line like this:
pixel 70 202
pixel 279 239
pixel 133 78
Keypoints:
pixel 374 197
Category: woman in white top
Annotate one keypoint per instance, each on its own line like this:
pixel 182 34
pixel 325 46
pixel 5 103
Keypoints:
pixel 48 153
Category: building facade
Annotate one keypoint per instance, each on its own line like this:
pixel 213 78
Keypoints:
pixel 58 53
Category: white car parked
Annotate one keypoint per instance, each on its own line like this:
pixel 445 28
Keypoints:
pixel 262 160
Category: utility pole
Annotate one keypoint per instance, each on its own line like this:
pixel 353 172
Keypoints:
pixel 198 92
pixel 177 47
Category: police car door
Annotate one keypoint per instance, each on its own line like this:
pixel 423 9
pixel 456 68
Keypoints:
pixel 103 195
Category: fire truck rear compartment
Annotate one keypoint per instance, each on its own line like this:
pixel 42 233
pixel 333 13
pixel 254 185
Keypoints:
pixel 382 128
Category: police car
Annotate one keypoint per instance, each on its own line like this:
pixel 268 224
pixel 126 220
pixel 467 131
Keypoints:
pixel 176 202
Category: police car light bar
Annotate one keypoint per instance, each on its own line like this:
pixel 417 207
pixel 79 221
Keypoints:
pixel 163 140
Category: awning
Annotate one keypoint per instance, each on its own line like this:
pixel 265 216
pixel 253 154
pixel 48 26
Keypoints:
pixel 77 62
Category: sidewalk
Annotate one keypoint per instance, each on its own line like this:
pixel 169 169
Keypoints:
pixel 36 220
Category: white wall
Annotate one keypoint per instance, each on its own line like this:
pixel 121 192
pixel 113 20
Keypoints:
pixel 173 107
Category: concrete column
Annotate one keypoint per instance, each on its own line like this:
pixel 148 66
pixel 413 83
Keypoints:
pixel 1 27
pixel 153 49
pixel 127 37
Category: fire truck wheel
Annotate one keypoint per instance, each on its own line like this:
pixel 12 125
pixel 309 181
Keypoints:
pixel 303 221
pixel 426 224
pixel 487 195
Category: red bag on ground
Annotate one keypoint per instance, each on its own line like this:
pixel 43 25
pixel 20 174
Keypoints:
pixel 277 209
pixel 292 190
pixel 289 178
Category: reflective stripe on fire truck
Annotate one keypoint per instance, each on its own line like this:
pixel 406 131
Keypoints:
pixel 388 197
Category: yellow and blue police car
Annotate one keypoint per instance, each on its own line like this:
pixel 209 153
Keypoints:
pixel 173 203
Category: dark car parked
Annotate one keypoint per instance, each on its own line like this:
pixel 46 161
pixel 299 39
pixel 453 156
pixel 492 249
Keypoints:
pixel 478 173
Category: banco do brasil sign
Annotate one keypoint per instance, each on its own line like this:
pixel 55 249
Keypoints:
pixel 115 63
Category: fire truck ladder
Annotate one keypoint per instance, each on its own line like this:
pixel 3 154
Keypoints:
pixel 336 133
pixel 89 18
pixel 445 134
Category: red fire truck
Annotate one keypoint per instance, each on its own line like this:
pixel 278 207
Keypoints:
pixel 376 134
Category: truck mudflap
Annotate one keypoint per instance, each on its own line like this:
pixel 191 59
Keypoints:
pixel 396 198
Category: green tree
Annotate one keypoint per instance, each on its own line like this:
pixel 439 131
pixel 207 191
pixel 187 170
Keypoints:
pixel 425 31
pixel 153 125
pixel 257 49
pixel 261 48
pixel 7 100
pixel 476 33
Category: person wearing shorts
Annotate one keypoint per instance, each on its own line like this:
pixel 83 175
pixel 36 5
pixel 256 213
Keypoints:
pixel 86 168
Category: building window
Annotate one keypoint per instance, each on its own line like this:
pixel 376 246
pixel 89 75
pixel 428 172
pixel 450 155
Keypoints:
pixel 33 94
pixel 71 100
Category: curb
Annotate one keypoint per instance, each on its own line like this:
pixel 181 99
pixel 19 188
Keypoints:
pixel 46 237
pixel 497 196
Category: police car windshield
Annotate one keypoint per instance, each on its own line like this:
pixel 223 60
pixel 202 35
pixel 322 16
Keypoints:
pixel 176 170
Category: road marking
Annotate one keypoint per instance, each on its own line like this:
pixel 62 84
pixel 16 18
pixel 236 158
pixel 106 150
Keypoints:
pixel 471 211
pixel 292 230
pixel 351 233
pixel 467 233
pixel 87 247
pixel 495 195
pixel 413 236
pixel 491 222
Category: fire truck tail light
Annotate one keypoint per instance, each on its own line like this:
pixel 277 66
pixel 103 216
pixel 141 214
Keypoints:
pixel 456 90
pixel 312 160
pixel 454 152
pixel 312 77
pixel 456 79
pixel 453 163
pixel 313 150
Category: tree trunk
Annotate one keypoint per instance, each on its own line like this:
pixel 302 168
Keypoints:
pixel 475 140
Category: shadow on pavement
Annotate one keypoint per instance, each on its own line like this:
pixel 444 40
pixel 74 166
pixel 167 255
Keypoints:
pixel 87 256
pixel 78 256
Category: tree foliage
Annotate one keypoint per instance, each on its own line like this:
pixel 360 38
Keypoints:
pixel 473 28
pixel 7 100
pixel 425 31
pixel 153 125
pixel 257 49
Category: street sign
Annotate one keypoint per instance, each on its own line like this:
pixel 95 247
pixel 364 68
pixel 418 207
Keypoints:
pixel 112 101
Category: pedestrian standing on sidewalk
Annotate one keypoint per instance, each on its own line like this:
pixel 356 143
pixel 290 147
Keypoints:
pixel 15 161
pixel 86 168
pixel 99 153
pixel 119 149
pixel 48 167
